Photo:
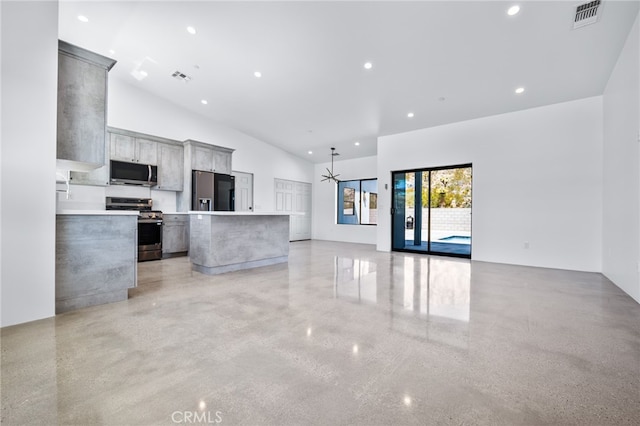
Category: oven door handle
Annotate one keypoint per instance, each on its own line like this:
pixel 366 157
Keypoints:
pixel 158 222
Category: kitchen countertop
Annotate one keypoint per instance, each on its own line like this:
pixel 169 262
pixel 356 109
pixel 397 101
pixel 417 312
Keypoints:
pixel 97 213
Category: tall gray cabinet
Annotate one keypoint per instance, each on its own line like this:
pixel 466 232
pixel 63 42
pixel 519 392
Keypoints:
pixel 205 157
pixel 82 107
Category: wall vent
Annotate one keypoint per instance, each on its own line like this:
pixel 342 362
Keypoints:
pixel 181 76
pixel 586 14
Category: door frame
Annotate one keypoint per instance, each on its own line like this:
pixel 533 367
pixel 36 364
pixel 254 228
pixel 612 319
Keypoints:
pixel 235 173
pixel 393 195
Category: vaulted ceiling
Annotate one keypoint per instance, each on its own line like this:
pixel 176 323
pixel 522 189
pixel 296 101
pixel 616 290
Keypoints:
pixel 442 61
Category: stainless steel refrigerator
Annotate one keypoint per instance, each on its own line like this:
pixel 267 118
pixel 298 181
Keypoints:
pixel 212 191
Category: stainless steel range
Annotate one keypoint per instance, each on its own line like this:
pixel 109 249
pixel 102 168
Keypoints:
pixel 149 225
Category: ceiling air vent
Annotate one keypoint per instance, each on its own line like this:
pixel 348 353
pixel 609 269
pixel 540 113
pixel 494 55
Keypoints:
pixel 181 76
pixel 586 14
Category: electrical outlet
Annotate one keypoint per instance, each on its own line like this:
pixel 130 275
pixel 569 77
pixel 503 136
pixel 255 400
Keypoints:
pixel 526 244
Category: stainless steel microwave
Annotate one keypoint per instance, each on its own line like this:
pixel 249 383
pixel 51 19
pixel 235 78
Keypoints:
pixel 123 173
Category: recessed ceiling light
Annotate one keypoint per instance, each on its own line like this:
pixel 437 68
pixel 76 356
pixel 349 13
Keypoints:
pixel 83 18
pixel 112 52
pixel 310 152
pixel 258 74
pixel 357 144
pixel 368 65
pixel 204 102
pixel 410 115
pixel 519 90
pixel 513 10
pixel 191 30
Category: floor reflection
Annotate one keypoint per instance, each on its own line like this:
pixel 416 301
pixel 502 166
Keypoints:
pixel 427 297
pixel 355 279
pixel 430 286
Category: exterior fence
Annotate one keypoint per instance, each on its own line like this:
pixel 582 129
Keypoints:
pixel 445 219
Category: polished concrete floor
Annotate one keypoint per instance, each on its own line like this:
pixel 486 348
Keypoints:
pixel 341 335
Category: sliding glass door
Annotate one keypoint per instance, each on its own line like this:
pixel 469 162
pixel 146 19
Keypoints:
pixel 432 211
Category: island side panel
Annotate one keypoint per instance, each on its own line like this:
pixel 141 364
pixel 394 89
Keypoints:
pixel 228 242
pixel 96 260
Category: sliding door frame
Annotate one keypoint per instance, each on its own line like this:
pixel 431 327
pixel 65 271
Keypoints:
pixel 393 197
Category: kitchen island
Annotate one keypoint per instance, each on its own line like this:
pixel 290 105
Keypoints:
pixel 96 257
pixel 230 241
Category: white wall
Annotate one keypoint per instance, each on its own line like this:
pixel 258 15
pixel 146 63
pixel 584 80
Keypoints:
pixel 86 197
pixel 324 202
pixel 28 155
pixel 132 109
pixel 621 196
pixel 537 177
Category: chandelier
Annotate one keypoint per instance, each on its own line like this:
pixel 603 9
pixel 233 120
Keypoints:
pixel 330 176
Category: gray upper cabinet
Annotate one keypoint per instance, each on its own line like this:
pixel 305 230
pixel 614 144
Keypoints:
pixel 123 147
pixel 167 154
pixel 146 151
pixel 170 167
pixel 210 158
pixel 202 159
pixel 96 177
pixel 133 149
pixel 82 105
pixel 222 161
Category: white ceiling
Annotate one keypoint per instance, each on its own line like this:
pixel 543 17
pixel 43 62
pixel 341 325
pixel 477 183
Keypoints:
pixel 315 93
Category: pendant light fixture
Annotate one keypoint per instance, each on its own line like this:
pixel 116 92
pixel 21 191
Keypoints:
pixel 330 176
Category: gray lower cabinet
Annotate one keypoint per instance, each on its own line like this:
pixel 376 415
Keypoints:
pixel 170 167
pixel 96 259
pixel 175 235
pixel 82 105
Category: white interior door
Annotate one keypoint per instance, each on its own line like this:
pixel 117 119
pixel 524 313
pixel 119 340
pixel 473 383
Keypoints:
pixel 244 191
pixel 295 197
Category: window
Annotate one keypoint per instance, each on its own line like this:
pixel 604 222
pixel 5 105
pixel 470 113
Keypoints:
pixel 349 198
pixel 358 202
